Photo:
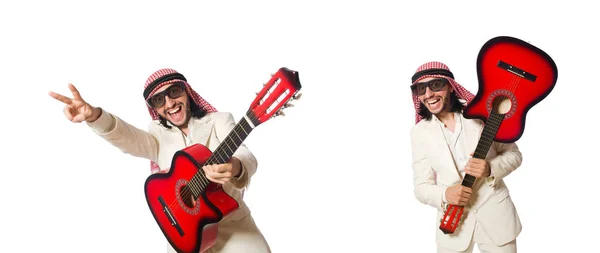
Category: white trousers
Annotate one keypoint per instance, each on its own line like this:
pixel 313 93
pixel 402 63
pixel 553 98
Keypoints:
pixel 484 244
pixel 237 236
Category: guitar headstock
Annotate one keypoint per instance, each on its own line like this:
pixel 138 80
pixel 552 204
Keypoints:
pixel 276 95
pixel 452 217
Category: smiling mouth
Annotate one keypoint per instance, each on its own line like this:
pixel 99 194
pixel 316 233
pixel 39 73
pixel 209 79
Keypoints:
pixel 175 114
pixel 175 110
pixel 433 101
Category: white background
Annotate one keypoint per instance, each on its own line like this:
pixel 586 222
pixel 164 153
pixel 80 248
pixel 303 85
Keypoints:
pixel 335 173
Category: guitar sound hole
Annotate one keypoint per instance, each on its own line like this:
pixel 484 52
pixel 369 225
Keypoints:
pixel 187 196
pixel 501 104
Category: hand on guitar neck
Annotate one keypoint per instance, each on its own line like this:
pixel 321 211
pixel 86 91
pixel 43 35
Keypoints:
pixel 222 173
pixel 477 167
pixel 460 195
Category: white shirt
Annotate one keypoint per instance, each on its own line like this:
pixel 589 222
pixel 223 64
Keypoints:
pixel 456 144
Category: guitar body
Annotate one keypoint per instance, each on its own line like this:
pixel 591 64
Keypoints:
pixel 498 61
pixel 189 228
pixel 513 77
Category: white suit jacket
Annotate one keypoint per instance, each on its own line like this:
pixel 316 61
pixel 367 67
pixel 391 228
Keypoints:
pixel 434 170
pixel 159 144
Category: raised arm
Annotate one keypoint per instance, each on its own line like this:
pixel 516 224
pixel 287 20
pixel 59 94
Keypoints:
pixel 129 139
pixel 119 133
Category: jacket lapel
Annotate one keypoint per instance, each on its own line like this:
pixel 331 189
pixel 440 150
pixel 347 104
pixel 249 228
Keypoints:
pixel 201 130
pixel 440 149
pixel 472 129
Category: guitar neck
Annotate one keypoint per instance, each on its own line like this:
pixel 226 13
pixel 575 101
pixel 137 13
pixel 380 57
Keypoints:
pixel 234 139
pixel 224 151
pixel 485 142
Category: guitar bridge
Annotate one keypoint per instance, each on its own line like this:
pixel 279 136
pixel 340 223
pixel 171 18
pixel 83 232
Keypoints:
pixel 169 215
pixel 517 71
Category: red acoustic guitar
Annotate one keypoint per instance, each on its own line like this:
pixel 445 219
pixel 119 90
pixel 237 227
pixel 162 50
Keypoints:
pixel 184 203
pixel 513 77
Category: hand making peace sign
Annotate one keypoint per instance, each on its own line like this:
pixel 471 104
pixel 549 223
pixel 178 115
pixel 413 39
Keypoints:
pixel 76 109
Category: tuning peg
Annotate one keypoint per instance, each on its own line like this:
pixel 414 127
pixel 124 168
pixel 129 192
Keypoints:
pixel 286 105
pixel 272 74
pixel 280 113
pixel 264 84
pixel 257 93
pixel 297 96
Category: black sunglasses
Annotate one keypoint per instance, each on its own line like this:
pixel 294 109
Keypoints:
pixel 174 91
pixel 435 85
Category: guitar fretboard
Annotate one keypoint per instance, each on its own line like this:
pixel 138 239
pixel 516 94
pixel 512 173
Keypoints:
pixel 485 142
pixel 224 151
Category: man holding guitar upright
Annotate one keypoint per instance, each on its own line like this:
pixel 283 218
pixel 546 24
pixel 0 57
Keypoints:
pixel 443 143
pixel 181 118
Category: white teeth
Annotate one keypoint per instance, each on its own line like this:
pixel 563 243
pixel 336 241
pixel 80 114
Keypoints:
pixel 433 101
pixel 175 110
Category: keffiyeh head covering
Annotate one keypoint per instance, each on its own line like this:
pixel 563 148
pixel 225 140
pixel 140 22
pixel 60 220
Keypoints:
pixel 167 76
pixel 164 77
pixel 437 70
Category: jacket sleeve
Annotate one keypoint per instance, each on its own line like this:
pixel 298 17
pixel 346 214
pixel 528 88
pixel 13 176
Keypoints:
pixel 223 127
pixel 427 191
pixel 127 138
pixel 509 158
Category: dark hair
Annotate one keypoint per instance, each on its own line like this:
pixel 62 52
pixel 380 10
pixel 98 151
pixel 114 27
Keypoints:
pixel 455 106
pixel 196 111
